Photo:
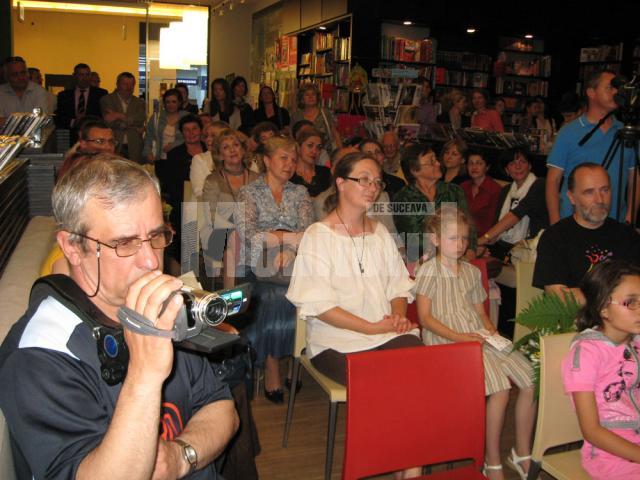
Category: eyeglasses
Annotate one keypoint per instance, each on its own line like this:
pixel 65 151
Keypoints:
pixel 428 164
pixel 130 246
pixel 630 303
pixel 367 182
pixel 102 141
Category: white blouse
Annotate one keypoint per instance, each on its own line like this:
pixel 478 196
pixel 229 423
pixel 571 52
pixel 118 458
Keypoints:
pixel 201 167
pixel 326 274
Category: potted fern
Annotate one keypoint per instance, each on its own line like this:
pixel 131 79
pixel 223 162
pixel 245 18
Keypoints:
pixel 546 314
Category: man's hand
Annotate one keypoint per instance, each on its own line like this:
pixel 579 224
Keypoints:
pixel 151 358
pixel 110 116
pixel 283 259
pixel 169 462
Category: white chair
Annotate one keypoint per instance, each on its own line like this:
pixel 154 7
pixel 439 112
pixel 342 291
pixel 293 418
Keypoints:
pixel 337 393
pixel 557 421
pixel 525 292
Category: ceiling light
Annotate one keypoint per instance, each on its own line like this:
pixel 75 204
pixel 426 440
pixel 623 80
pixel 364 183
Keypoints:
pixel 407 22
pixel 322 28
pixel 471 30
pixel 528 36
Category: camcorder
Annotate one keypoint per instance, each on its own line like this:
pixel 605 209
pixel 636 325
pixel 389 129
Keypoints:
pixel 627 99
pixel 201 311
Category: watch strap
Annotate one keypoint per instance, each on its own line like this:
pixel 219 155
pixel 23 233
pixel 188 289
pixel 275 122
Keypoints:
pixel 188 453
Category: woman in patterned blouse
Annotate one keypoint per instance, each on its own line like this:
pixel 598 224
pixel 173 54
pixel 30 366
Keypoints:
pixel 271 216
pixel 422 197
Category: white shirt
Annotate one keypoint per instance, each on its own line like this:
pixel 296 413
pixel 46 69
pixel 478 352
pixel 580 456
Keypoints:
pixel 201 167
pixel 34 96
pixel 326 274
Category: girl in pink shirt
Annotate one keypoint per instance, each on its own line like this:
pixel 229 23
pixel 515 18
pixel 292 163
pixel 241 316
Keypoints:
pixel 601 371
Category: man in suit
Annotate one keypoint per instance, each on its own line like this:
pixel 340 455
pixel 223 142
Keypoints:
pixel 75 103
pixel 125 114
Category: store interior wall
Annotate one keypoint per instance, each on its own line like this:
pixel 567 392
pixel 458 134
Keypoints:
pixel 230 37
pixel 108 43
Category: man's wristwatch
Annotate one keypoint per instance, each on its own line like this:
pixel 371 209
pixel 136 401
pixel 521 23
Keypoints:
pixel 188 453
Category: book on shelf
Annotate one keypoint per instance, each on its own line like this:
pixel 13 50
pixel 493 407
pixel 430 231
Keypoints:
pixel 508 64
pixel 405 50
pixel 342 48
pixel 305 59
pixel 461 78
pixel 341 74
pixel 463 61
pixel 602 53
pixel 322 41
pixel 379 94
pixel 522 87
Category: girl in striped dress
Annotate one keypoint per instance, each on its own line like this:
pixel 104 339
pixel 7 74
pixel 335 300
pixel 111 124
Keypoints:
pixel 450 298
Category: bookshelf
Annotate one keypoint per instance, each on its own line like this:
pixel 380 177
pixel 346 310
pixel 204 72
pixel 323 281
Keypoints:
pixel 599 57
pixel 521 71
pixel 461 70
pixel 325 60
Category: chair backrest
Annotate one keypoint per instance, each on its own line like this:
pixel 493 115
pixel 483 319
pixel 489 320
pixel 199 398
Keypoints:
pixel 557 420
pixel 413 406
pixel 300 340
pixel 525 292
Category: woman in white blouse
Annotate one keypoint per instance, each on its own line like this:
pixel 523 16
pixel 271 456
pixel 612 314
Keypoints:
pixel 349 280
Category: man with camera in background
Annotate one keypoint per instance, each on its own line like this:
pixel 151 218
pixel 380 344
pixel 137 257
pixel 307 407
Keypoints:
pixel 567 153
pixel 66 420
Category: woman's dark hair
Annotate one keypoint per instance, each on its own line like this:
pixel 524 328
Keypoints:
pixel 237 81
pixel 471 152
pixel 597 287
pixel 228 102
pixel 306 133
pixel 189 118
pixel 172 92
pixel 511 154
pixel 186 87
pixel 410 161
pixel 367 141
pixel 299 126
pixel 263 127
pixel 482 92
pixel 275 98
pixel 342 170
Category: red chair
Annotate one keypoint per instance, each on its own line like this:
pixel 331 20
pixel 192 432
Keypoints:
pixel 415 406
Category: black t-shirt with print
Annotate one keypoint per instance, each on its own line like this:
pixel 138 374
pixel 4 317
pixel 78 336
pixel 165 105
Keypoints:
pixel 567 251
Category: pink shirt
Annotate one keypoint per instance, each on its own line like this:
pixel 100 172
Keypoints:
pixel 487 120
pixel 596 364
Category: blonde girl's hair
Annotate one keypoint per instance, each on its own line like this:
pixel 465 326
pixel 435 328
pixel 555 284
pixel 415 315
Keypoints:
pixel 448 213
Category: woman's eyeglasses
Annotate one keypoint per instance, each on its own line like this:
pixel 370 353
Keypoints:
pixel 367 182
pixel 630 303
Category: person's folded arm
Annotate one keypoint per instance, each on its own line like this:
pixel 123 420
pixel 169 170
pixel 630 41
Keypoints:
pixel 562 291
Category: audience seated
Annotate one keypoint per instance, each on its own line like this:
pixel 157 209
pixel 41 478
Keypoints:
pixel 162 133
pixel 315 178
pixel 450 300
pixel 204 163
pixel 452 159
pixel 427 190
pixel 373 150
pixel 20 94
pixel 573 246
pixel 522 212
pixel 392 154
pixel 454 105
pixel 220 192
pixel 242 100
pixel 350 248
pixel 483 117
pixel 222 107
pixel 310 108
pixel 271 216
pixel 125 114
pixel 269 111
pixel 482 192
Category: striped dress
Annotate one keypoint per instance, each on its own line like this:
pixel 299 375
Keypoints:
pixel 453 297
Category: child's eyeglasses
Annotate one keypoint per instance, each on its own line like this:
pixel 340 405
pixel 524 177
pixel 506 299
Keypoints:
pixel 631 303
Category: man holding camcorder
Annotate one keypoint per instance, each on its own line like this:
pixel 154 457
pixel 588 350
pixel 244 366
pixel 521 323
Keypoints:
pixel 84 398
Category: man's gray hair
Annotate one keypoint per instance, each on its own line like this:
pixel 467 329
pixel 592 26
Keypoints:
pixel 108 179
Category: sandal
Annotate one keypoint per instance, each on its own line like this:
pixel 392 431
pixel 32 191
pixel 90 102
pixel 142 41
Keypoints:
pixel 513 460
pixel 486 468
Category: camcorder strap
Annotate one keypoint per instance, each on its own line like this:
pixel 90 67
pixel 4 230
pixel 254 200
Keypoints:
pixel 111 346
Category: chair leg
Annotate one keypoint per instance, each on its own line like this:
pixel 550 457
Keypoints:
pixel 258 377
pixel 292 398
pixel 534 470
pixel 331 437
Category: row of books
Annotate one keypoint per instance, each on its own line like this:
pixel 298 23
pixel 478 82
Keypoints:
pixel 602 53
pixel 342 48
pixel 312 64
pixel 322 41
pixel 405 50
pixel 461 78
pixel 530 88
pixel 463 60
pixel 530 67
